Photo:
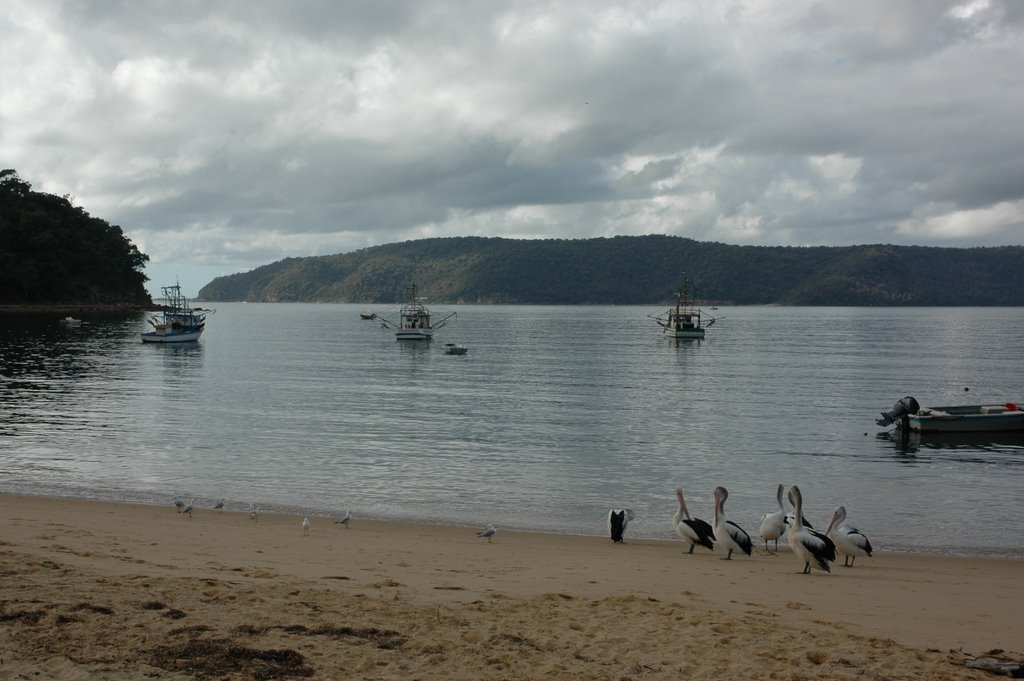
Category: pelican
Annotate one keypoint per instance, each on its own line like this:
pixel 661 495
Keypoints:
pixel 809 544
pixel 791 520
pixel 305 527
pixel 189 507
pixel 178 503
pixel 693 530
pixel 618 518
pixel 219 506
pixel 850 542
pixel 728 534
pixel 488 532
pixel 773 525
pixel 345 519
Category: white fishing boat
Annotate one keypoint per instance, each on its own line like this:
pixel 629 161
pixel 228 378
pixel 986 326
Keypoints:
pixel 70 321
pixel 685 320
pixel 969 418
pixel 178 322
pixel 415 319
pixel 455 349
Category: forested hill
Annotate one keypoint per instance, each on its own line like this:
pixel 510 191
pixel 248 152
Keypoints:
pixel 637 270
pixel 52 253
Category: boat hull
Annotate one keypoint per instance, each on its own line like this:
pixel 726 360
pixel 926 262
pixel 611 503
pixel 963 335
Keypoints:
pixel 157 337
pixel 968 419
pixel 414 334
pixel 685 333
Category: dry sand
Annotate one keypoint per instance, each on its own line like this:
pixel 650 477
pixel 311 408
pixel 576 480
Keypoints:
pixel 93 590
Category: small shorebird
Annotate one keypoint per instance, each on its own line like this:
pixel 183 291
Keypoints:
pixel 488 532
pixel 178 503
pixel 345 519
pixel 850 542
pixel 729 535
pixel 219 506
pixel 189 507
pixel 305 527
pixel 254 513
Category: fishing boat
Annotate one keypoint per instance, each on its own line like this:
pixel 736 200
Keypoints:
pixel 414 319
pixel 367 317
pixel 684 320
pixel 455 349
pixel 70 321
pixel 970 418
pixel 179 322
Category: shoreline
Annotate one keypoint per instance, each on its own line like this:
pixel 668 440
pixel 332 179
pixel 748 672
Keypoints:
pixel 521 606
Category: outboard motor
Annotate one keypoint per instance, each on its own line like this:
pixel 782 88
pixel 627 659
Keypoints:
pixel 904 407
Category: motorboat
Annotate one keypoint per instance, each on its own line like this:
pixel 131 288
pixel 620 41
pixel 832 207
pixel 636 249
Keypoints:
pixel 70 321
pixel 178 322
pixel 685 320
pixel 415 319
pixel 455 349
pixel 969 418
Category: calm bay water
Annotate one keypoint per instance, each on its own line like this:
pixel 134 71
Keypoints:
pixel 556 415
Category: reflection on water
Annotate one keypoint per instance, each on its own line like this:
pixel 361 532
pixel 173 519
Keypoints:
pixel 984 446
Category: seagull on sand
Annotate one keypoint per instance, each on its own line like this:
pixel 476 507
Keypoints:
pixel 219 506
pixel 254 513
pixel 305 527
pixel 345 519
pixel 178 504
pixel 191 506
pixel 488 532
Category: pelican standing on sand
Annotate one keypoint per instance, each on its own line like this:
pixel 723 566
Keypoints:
pixel 693 530
pixel 488 532
pixel 773 525
pixel 618 519
pixel 850 542
pixel 811 546
pixel 728 534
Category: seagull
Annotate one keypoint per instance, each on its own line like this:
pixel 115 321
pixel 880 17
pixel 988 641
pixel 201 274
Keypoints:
pixel 773 525
pixel 693 530
pixel 810 545
pixel 178 504
pixel 618 519
pixel 219 506
pixel 729 535
pixel 254 513
pixel 850 542
pixel 305 527
pixel 488 532
pixel 191 506
pixel 345 519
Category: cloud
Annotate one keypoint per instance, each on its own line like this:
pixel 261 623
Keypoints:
pixel 225 135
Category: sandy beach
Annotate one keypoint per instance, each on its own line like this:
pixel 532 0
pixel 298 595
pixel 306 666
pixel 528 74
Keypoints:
pixel 95 590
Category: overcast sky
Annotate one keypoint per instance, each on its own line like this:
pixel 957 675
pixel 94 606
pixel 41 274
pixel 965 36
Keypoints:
pixel 226 135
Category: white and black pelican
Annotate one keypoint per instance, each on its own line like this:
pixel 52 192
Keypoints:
pixel 773 525
pixel 791 517
pixel 488 532
pixel 811 546
pixel 618 518
pixel 693 530
pixel 728 534
pixel 850 542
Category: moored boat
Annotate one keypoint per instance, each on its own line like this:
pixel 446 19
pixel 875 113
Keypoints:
pixel 178 322
pixel 455 349
pixel 685 320
pixel 970 418
pixel 415 319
